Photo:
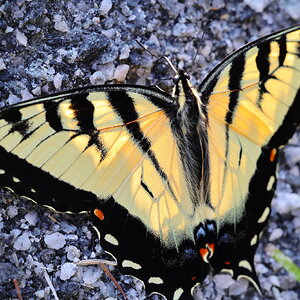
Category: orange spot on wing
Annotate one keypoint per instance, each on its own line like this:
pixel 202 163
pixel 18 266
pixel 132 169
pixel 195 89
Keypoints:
pixel 194 278
pixel 211 247
pixel 99 214
pixel 203 252
pixel 227 263
pixel 273 154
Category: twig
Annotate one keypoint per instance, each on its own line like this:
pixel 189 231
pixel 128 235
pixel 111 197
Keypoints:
pixel 16 284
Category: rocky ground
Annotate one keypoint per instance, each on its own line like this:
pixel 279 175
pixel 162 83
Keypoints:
pixel 48 46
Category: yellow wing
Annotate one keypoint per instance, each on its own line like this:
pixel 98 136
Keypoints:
pixel 86 146
pixel 248 99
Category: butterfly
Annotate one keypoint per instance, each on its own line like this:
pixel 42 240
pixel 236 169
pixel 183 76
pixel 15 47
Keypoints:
pixel 177 185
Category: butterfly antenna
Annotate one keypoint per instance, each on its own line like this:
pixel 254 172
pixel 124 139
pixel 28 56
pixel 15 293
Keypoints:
pixel 204 32
pixel 169 63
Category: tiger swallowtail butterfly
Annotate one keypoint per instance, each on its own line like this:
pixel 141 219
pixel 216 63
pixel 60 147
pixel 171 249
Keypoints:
pixel 177 184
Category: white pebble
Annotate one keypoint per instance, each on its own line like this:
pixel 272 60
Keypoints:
pixel 26 95
pixel 67 271
pixel 37 91
pixel 239 287
pixel 125 51
pixel 274 280
pixel 2 64
pixel 21 38
pixel 9 29
pixel 276 234
pixel 121 72
pixel 57 80
pixel 12 211
pixel 12 99
pixel 72 253
pixel 97 78
pixel 105 7
pixel 91 275
pixel 257 5
pixel 31 218
pixel 22 242
pixel 293 9
pixel 55 240
pixel 223 281
pixel 40 294
pixel 261 269
pixel 292 155
pixel 286 202
pixel 61 26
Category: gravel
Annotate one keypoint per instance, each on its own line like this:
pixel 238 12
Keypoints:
pixel 48 46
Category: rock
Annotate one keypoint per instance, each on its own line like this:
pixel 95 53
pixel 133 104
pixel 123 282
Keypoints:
pixel 292 7
pixel 223 281
pixel 57 80
pixel 67 228
pixel 121 72
pixel 257 5
pixel 72 253
pixel 12 211
pixel 91 274
pixel 105 7
pixel 97 78
pixel 2 65
pixel 67 271
pixel 22 243
pixel 55 240
pixel 276 234
pixel 40 294
pixel 286 202
pixel 239 287
pixel 31 218
pixel 21 38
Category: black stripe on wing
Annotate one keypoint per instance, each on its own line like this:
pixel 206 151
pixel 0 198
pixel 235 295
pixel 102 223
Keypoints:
pixel 123 104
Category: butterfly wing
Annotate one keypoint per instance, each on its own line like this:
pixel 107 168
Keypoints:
pixel 110 150
pixel 253 107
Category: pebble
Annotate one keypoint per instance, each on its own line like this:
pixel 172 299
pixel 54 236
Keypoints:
pixel 31 218
pixel 21 38
pixel 286 202
pixel 22 243
pixel 12 211
pixel 40 294
pixel 2 64
pixel 124 53
pixel 105 7
pixel 223 281
pixel 72 253
pixel 276 234
pixel 97 78
pixel 67 271
pixel 257 5
pixel 55 240
pixel 239 287
pixel 274 280
pixel 292 7
pixel 121 72
pixel 67 228
pixel 26 95
pixel 91 274
pixel 61 26
pixel 57 80
pixel 261 269
pixel 292 155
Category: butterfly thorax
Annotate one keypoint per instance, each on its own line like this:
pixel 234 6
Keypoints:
pixel 193 141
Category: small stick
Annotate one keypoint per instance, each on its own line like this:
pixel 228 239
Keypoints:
pixel 16 284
